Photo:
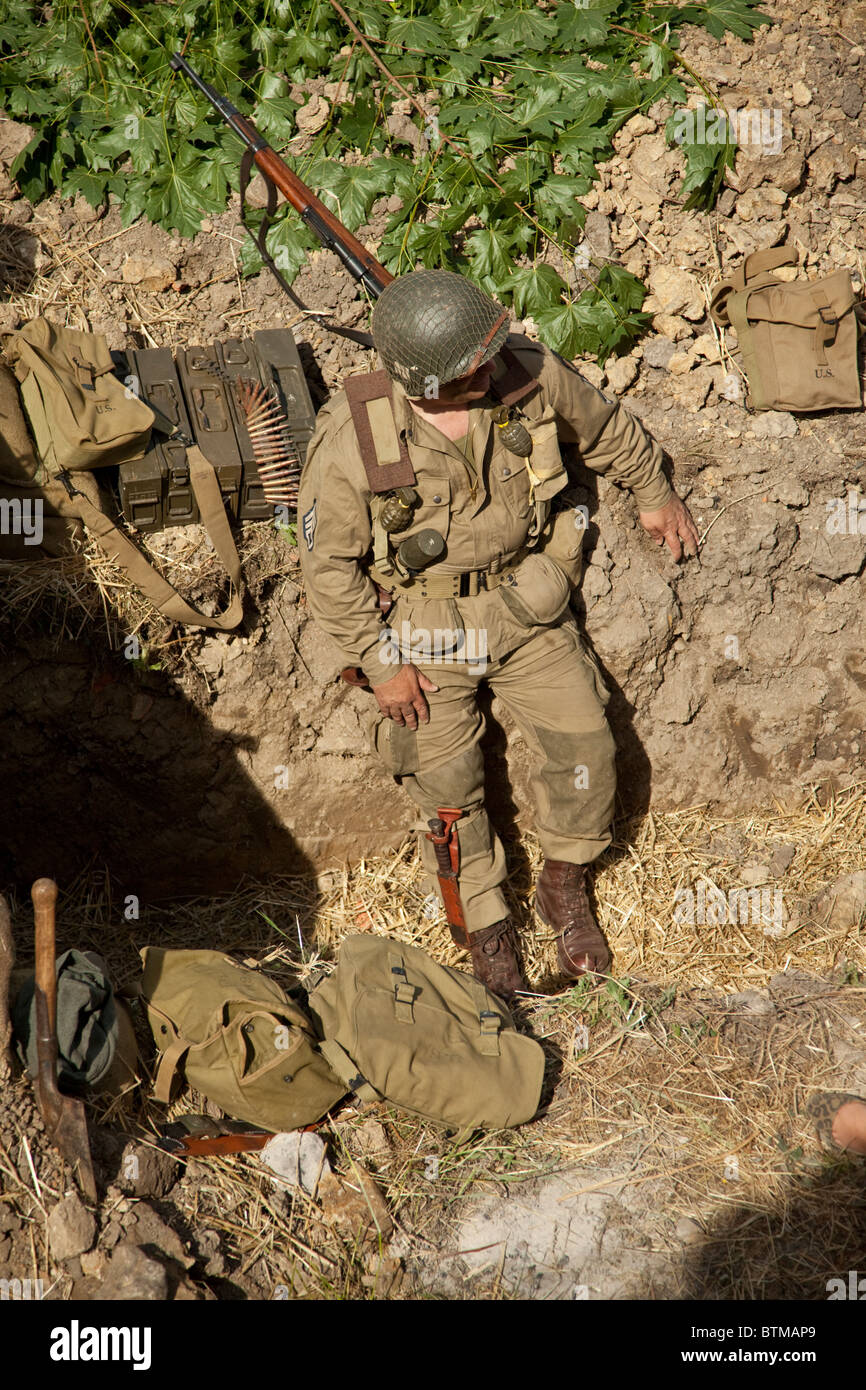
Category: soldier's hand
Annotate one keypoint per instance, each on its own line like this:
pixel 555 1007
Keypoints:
pixel 673 523
pixel 402 697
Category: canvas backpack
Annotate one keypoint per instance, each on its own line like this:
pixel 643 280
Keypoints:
pixel 83 418
pixel 397 1026
pixel 798 341
pixel 234 1035
pixel 388 1024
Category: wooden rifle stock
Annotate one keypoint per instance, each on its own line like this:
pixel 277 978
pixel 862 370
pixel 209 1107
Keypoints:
pixel 330 231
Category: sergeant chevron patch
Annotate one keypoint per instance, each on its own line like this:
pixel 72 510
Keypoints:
pixel 308 525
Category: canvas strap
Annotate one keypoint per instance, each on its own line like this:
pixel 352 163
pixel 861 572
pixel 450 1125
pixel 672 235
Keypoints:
pixel 125 553
pixel 342 1065
pixel 827 325
pixel 489 1021
pixel 404 993
pixel 166 1068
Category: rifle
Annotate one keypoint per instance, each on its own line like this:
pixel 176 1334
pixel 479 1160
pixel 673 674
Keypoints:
pixel 361 265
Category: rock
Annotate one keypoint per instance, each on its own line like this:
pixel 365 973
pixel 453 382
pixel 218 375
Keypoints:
pixel 356 1204
pixel 640 125
pixel 597 233
pixel 759 204
pixel 71 1229
pixel 14 136
pixel 775 424
pixel 691 391
pixel 153 273
pixel 753 875
pixel 657 352
pixel 750 1001
pixel 671 326
pixel 829 164
pixel 93 1264
pixel 621 373
pixel 687 1231
pixel 592 373
pixel 296 1160
pixel 801 94
pixel 675 291
pixel 147 1228
pixel 680 363
pixel 788 170
pixel 851 100
pixel 146 1171
pixel 706 346
pixel 791 493
pixel 403 130
pixel 133 1275
pixel 843 903
pixel 836 557
pixel 257 192
pixel 781 860
pixel 207 1248
pixel 368 1139
pixel 313 116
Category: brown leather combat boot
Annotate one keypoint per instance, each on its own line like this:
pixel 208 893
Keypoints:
pixel 561 902
pixel 495 959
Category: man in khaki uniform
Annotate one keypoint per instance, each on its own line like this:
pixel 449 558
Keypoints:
pixel 478 416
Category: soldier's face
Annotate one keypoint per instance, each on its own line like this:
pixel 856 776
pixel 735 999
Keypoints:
pixel 467 388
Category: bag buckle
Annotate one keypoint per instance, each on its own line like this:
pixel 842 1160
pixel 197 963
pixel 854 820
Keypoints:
pixel 827 315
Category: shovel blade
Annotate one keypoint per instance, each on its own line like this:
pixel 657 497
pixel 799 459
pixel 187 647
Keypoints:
pixel 69 1136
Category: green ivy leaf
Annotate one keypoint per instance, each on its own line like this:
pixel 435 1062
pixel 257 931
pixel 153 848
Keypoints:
pixel 534 287
pixel 420 33
pixel 739 16
pixel 275 117
pixel 351 189
pixel 517 30
pixel 178 196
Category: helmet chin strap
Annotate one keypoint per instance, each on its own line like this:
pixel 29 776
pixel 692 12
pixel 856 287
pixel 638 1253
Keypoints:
pixel 479 356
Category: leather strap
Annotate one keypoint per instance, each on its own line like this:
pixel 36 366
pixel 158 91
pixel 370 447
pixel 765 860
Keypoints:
pixel 362 390
pixel 125 553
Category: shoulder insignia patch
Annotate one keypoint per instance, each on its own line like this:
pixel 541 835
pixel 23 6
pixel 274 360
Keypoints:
pixel 308 525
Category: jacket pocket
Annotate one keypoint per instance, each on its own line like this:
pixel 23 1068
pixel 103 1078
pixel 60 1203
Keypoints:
pixel 537 592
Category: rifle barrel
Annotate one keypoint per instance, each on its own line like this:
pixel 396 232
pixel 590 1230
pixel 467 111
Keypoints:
pixel 332 234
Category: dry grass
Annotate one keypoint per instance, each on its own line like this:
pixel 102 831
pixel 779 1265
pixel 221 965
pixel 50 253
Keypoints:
pixel 671 1084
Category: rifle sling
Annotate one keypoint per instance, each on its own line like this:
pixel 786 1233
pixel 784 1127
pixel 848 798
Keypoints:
pixel 260 238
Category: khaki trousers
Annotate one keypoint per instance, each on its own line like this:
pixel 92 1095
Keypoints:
pixel 557 698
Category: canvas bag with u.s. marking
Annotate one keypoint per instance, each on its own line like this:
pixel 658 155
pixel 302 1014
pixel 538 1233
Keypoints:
pixel 83 418
pixel 397 1026
pixel 798 340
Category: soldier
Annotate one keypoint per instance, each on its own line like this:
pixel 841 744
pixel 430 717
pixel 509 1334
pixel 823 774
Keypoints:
pixel 440 489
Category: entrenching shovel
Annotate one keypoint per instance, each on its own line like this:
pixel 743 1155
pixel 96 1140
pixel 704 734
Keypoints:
pixel 63 1116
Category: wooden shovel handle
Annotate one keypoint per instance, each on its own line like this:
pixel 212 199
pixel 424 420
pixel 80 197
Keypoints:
pixel 44 895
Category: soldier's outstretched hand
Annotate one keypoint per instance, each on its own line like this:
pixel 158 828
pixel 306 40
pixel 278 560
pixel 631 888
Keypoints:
pixel 402 697
pixel 672 523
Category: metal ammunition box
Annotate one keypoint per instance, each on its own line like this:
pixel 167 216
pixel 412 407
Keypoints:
pixel 197 395
pixel 155 491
